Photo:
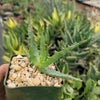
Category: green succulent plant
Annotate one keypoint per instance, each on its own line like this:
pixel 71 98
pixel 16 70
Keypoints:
pixel 78 31
pixel 60 11
pixel 49 34
pixel 92 82
pixel 40 57
pixel 70 90
pixel 14 39
pixel 54 22
pixel 93 70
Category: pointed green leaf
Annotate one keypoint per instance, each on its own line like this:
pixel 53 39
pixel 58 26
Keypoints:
pixel 57 55
pixel 79 84
pixel 33 50
pixel 43 52
pixel 55 73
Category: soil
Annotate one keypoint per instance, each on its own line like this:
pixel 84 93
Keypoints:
pixel 22 74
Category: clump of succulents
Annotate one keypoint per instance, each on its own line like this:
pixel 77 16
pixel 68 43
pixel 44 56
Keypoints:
pixel 14 39
pixel 92 81
pixel 90 89
pixel 77 29
pixel 40 57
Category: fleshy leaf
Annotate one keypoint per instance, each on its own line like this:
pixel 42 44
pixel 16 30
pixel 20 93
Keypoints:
pixel 57 55
pixel 33 50
pixel 43 51
pixel 55 73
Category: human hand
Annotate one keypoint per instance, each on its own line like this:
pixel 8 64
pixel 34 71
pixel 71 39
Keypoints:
pixel 3 69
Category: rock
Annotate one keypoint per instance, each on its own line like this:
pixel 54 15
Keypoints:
pixel 49 83
pixel 41 78
pixel 28 75
pixel 23 64
pixel 43 83
pixel 55 81
pixel 13 60
pixel 18 75
pixel 18 80
pixel 17 67
pixel 11 85
pixel 57 85
pixel 30 69
pixel 30 82
pixel 26 68
pixel 8 81
pixel 36 81
pixel 14 75
pixel 20 84
pixel 60 80
pixel 19 57
pixel 10 77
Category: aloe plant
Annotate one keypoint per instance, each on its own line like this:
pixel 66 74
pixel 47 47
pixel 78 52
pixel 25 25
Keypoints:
pixel 40 58
pixel 77 30
pixel 54 21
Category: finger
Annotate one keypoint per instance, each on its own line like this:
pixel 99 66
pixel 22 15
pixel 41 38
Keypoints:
pixel 3 69
pixel 2 91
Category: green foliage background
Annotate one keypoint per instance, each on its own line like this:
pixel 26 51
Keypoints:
pixel 62 26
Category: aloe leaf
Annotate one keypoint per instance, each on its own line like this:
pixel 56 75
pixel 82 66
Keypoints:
pixel 33 50
pixel 57 55
pixel 55 73
pixel 68 34
pixel 74 33
pixel 47 21
pixel 43 54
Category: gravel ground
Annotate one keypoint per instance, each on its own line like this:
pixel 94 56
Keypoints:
pixel 1 51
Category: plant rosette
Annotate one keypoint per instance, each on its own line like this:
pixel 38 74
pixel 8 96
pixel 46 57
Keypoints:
pixel 24 82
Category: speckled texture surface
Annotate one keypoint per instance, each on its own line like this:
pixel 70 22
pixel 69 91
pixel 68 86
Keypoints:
pixel 21 74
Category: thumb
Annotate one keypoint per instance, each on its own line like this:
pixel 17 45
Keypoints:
pixel 3 69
